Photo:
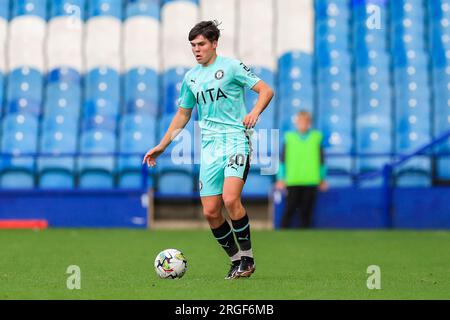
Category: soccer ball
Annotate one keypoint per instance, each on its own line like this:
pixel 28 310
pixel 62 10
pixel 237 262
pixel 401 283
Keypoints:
pixel 170 264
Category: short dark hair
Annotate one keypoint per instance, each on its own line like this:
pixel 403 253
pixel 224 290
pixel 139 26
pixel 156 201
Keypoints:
pixel 304 113
pixel 208 29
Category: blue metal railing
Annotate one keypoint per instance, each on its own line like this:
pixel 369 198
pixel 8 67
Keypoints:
pixel 388 169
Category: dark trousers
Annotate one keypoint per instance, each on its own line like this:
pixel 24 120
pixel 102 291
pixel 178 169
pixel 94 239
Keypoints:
pixel 302 198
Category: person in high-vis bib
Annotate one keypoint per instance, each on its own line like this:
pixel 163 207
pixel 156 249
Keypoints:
pixel 302 171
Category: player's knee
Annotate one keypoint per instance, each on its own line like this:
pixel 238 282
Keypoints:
pixel 211 213
pixel 231 202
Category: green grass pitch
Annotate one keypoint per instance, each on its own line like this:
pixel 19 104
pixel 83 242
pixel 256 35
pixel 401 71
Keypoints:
pixel 319 264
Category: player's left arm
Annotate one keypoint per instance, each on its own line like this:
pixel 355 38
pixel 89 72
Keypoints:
pixel 265 95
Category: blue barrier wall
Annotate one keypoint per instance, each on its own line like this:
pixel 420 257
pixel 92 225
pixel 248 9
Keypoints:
pixel 422 208
pixel 350 208
pixel 108 209
pixel 353 208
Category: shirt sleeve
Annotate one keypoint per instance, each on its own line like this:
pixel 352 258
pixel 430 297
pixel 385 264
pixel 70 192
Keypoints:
pixel 187 98
pixel 281 175
pixel 244 76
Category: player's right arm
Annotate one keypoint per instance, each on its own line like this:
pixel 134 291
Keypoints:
pixel 186 103
pixel 177 124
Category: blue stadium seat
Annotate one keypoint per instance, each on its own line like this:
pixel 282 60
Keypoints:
pixel 367 58
pixel 439 41
pixel 442 113
pixel 439 9
pixel 417 103
pixel 101 107
pixel 334 74
pixel 331 29
pixel 296 89
pixel 337 140
pixel 23 105
pixel 408 139
pixel 31 77
pixel 103 83
pixel 171 86
pixel 414 173
pixel 443 168
pixel 64 75
pixel 377 90
pixel 97 171
pixel 176 168
pixel 409 41
pixel 418 74
pixel 371 164
pixel 2 87
pixel 68 8
pixel 373 38
pixel 374 104
pixel 440 57
pixel 337 91
pixel 375 72
pixel 111 8
pixel 63 98
pixel 441 77
pixel 296 64
pixel 333 57
pixel 409 14
pixel 137 121
pixel 99 122
pixel 182 178
pixel 138 135
pixel 330 42
pixel 143 8
pixel 373 86
pixel 24 90
pixel 4 11
pixel 141 92
pixel 337 9
pixel 60 122
pixel 59 171
pixel 289 88
pixel 373 133
pixel 370 42
pixel 403 58
pixel 339 105
pixel 24 122
pixel 177 164
pixel 164 2
pixel 337 126
pixel 29 7
pixel 17 171
pixel 257 185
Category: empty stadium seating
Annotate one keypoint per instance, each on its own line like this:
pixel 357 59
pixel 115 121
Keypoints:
pixel 79 78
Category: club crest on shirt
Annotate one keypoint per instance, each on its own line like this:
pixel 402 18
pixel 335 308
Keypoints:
pixel 219 74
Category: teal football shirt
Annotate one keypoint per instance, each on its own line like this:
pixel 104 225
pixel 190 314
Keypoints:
pixel 218 91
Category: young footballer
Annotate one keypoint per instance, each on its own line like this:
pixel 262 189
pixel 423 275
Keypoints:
pixel 216 85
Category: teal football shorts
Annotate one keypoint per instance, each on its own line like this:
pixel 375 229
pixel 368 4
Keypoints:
pixel 221 158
